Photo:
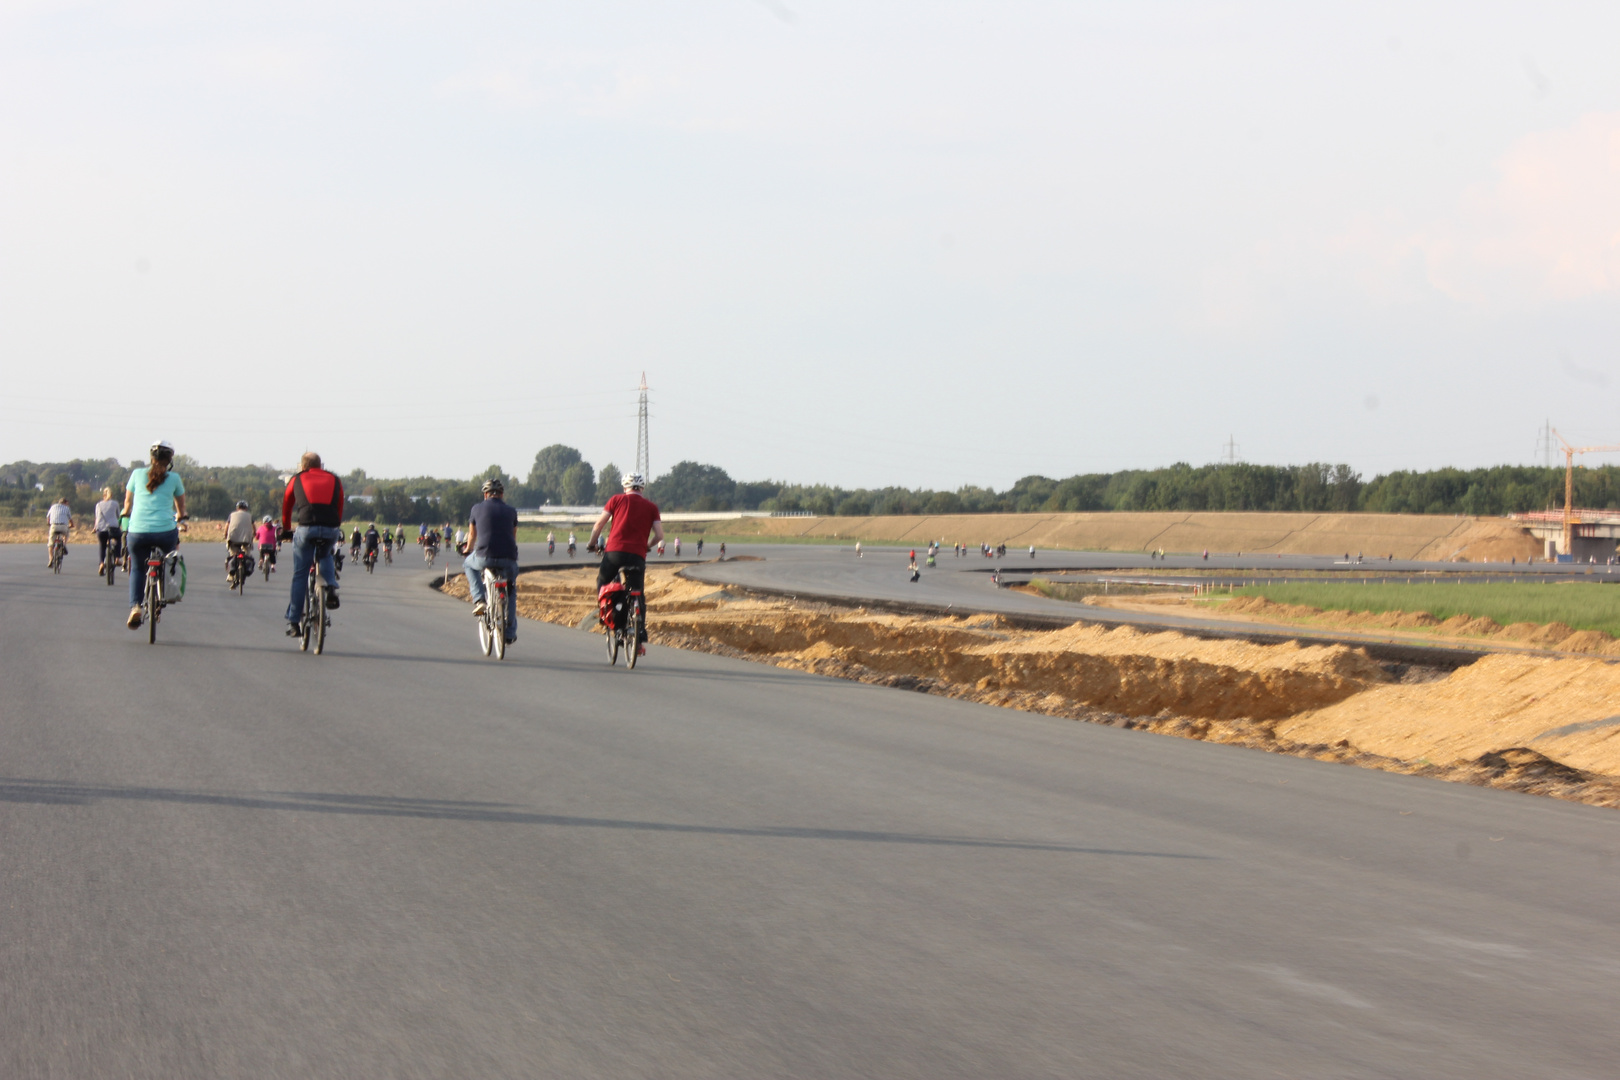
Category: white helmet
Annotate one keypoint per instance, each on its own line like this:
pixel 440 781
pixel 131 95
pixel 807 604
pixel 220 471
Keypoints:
pixel 162 448
pixel 633 480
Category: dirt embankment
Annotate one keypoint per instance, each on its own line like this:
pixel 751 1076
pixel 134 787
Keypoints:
pixel 1331 702
pixel 1553 635
pixel 196 532
pixel 1405 536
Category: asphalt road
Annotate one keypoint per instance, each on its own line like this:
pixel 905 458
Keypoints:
pixel 220 857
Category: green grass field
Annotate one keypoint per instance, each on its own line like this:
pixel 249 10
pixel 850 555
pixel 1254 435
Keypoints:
pixel 1581 606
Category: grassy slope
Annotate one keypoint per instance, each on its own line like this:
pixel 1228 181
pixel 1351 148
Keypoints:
pixel 1581 606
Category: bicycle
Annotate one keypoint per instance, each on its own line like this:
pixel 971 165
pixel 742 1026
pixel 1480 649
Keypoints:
pixel 388 556
pixel 371 559
pixel 267 561
pixel 241 569
pixel 429 553
pixel 111 555
pixel 58 552
pixel 153 598
pixel 312 625
pixel 492 623
pixel 622 615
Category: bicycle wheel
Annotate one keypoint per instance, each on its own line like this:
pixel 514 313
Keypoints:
pixel 612 645
pixel 320 618
pixel 309 615
pixel 486 639
pixel 497 628
pixel 112 568
pixel 265 567
pixel 632 634
pixel 150 603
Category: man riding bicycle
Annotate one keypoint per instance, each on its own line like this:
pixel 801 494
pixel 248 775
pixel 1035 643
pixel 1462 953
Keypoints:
pixel 238 536
pixel 492 545
pixel 155 501
pixel 315 499
pixel 634 517
pixel 108 532
pixel 354 544
pixel 59 522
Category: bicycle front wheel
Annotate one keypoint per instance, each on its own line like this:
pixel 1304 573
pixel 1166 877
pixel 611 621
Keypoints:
pixel 486 639
pixel 612 645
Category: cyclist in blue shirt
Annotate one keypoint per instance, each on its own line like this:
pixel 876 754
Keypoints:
pixel 155 500
pixel 492 545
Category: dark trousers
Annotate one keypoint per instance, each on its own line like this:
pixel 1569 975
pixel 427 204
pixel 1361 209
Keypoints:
pixel 109 540
pixel 634 567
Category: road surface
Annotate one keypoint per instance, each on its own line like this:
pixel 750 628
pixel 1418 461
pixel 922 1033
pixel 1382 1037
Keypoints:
pixel 220 857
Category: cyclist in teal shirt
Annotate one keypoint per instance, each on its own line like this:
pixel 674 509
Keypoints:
pixel 155 501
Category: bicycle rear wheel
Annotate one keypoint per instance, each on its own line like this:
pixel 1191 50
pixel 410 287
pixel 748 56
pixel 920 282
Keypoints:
pixel 309 616
pixel 632 634
pixel 150 603
pixel 320 617
pixel 112 567
pixel 612 645
pixel 497 628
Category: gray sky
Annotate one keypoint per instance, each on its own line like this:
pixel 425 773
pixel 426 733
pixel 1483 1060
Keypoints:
pixel 925 244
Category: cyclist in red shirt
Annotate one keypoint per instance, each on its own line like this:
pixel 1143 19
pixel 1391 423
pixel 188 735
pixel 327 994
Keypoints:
pixel 634 518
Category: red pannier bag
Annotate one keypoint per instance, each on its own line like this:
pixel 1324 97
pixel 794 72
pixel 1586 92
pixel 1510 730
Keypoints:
pixel 610 601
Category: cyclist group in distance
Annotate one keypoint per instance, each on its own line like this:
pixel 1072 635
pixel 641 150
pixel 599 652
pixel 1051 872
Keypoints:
pixel 144 529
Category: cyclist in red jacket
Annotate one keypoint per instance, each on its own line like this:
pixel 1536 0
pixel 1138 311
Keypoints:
pixel 314 500
pixel 634 517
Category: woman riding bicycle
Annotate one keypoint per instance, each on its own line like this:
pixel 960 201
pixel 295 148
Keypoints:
pixel 155 500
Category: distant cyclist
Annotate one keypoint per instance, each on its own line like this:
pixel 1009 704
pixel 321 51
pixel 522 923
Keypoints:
pixel 492 545
pixel 314 500
pixel 59 522
pixel 551 543
pixel 372 538
pixel 570 544
pixel 155 500
pixel 238 535
pixel 634 518
pixel 354 544
pixel 108 533
pixel 266 536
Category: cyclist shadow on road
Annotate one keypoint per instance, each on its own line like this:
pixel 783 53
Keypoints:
pixel 20 790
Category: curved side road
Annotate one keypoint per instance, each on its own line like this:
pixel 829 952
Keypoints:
pixel 221 858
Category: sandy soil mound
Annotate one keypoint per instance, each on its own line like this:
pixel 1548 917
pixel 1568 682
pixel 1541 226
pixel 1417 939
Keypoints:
pixel 1553 635
pixel 1564 708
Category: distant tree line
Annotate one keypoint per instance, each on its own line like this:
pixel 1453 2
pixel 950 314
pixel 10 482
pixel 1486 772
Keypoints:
pixel 1313 488
pixel 561 476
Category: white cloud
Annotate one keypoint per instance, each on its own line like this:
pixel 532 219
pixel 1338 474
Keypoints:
pixel 1547 230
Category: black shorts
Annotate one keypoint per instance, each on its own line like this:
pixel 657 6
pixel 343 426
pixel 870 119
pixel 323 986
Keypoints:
pixel 634 567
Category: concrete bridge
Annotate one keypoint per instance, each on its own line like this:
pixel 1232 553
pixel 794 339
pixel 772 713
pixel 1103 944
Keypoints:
pixel 1595 533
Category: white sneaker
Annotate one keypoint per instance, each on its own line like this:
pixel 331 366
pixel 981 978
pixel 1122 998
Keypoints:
pixel 478 610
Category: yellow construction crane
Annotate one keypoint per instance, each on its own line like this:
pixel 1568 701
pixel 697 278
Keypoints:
pixel 1569 486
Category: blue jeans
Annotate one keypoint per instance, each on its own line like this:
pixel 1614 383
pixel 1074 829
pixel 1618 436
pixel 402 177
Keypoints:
pixel 303 555
pixel 141 546
pixel 475 565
